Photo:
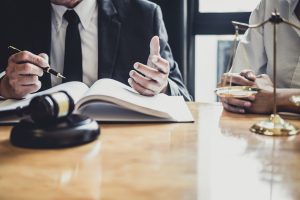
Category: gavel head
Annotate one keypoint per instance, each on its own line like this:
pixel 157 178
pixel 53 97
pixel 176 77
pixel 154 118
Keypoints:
pixel 52 124
pixel 49 108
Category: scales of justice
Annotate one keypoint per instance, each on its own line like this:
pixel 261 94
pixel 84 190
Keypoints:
pixel 275 125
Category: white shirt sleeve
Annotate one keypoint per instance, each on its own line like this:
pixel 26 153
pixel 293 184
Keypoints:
pixel 250 52
pixel 2 74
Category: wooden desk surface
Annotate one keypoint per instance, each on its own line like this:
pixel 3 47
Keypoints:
pixel 214 158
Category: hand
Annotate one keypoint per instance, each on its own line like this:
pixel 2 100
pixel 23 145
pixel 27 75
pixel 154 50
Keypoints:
pixel 151 79
pixel 245 78
pixel 22 74
pixel 263 103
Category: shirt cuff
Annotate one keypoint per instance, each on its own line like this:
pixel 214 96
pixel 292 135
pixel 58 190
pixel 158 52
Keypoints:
pixel 1 76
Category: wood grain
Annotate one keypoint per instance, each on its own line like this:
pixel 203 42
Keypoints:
pixel 217 157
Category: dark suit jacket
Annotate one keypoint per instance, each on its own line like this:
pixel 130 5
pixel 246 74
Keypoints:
pixel 125 30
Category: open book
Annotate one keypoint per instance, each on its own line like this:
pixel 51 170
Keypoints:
pixel 110 100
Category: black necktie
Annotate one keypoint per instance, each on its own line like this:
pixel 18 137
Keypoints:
pixel 73 54
pixel 297 10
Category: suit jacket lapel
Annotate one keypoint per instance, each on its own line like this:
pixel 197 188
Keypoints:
pixel 109 28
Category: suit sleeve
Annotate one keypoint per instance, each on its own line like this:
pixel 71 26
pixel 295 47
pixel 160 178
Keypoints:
pixel 3 37
pixel 251 53
pixel 2 40
pixel 176 85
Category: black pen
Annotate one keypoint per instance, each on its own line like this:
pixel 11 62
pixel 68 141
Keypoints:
pixel 48 69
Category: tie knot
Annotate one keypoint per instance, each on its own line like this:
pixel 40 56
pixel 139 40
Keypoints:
pixel 72 17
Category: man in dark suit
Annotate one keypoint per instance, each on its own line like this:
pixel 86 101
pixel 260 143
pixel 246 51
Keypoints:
pixel 124 31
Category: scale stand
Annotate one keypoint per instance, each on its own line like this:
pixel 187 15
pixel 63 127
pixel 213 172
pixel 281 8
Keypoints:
pixel 275 125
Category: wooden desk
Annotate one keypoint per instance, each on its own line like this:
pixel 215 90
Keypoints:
pixel 214 158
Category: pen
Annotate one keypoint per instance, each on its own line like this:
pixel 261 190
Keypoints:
pixel 48 69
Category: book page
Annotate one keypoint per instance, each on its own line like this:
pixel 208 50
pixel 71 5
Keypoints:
pixel 74 89
pixel 108 112
pixel 161 105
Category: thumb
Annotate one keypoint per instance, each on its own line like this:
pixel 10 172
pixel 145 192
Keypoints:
pixel 45 56
pixel 154 46
pixel 248 74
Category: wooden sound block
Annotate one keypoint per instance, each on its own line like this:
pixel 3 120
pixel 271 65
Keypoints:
pixel 65 132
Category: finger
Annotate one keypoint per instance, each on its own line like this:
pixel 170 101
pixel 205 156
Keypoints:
pixel 236 79
pixel 161 64
pixel 145 82
pixel 22 80
pixel 140 89
pixel 231 108
pixel 249 74
pixel 26 56
pixel 149 72
pixel 237 102
pixel 28 80
pixel 28 89
pixel 154 46
pixel 28 69
pixel 23 90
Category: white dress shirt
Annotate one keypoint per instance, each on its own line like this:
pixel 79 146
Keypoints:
pixel 87 11
pixel 255 50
